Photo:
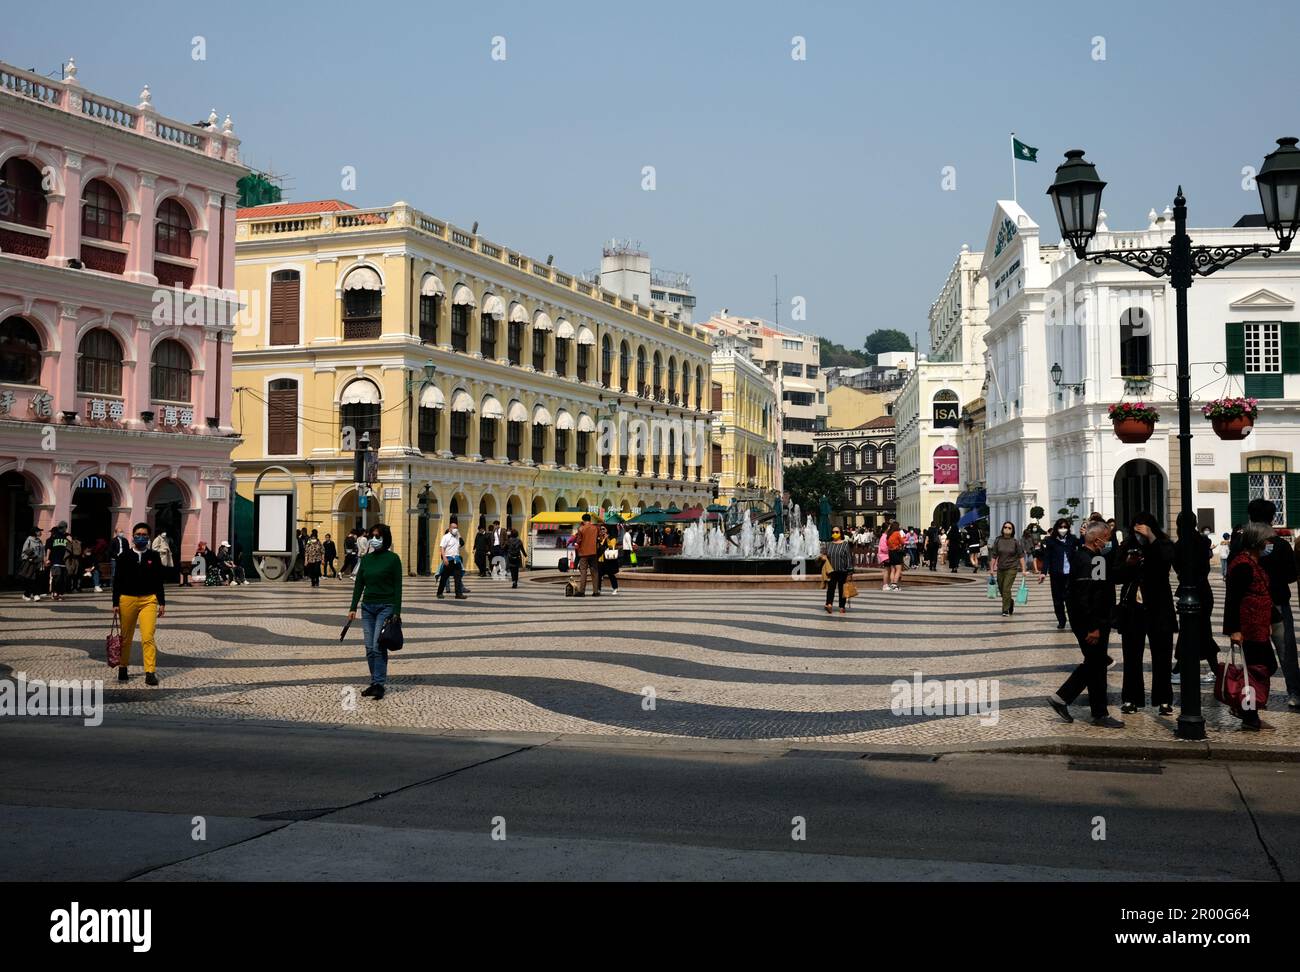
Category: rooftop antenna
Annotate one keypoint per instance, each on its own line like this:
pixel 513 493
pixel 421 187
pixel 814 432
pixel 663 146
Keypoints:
pixel 776 299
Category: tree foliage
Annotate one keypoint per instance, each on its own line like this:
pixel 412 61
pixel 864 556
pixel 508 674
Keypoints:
pixel 838 356
pixel 887 339
pixel 808 481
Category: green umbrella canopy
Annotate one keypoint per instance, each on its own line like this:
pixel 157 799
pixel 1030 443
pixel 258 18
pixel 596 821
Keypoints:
pixel 672 510
pixel 613 516
pixel 716 508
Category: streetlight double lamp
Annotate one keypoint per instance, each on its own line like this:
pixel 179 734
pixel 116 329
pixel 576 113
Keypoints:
pixel 1076 195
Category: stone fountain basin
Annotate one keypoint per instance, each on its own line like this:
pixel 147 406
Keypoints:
pixel 742 566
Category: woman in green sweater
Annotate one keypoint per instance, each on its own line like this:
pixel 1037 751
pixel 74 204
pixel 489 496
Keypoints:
pixel 379 578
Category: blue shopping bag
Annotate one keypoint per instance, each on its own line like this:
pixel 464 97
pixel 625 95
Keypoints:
pixel 992 589
pixel 1022 592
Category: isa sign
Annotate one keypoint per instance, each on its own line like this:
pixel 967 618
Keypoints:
pixel 946 415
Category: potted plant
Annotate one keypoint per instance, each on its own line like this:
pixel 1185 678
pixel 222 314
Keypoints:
pixel 1232 418
pixel 1134 421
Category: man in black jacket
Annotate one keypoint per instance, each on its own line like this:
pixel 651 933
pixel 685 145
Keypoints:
pixel 1279 564
pixel 1090 599
pixel 1055 563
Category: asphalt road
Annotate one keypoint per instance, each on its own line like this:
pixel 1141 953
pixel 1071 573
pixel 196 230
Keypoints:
pixel 120 802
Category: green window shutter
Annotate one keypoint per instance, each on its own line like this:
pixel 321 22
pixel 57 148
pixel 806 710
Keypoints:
pixel 1239 490
pixel 1264 385
pixel 1235 341
pixel 1291 347
pixel 1293 500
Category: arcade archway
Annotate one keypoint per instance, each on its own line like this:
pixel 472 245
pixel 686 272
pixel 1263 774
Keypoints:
pixel 1139 486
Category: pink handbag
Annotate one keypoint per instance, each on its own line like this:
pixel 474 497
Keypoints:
pixel 1230 683
pixel 113 643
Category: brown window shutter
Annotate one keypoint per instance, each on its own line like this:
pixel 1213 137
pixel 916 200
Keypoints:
pixel 284 311
pixel 717 397
pixel 751 466
pixel 282 420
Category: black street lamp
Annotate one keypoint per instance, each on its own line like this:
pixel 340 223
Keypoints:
pixel 1076 194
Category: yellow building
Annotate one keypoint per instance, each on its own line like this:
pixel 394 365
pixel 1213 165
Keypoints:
pixel 745 456
pixel 493 385
pixel 852 407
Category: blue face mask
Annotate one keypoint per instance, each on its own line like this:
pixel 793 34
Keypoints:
pixel 1268 549
pixel 141 543
pixel 1107 548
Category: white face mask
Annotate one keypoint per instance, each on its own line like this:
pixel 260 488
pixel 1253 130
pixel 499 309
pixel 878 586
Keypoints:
pixel 376 543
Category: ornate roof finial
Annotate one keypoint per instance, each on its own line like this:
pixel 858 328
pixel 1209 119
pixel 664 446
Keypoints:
pixel 1101 222
pixel 212 118
pixel 70 72
pixel 146 99
pixel 1153 218
pixel 228 127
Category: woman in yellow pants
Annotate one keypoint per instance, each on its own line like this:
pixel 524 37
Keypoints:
pixel 139 596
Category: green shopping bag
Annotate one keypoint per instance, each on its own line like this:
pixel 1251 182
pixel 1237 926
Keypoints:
pixel 1022 592
pixel 992 589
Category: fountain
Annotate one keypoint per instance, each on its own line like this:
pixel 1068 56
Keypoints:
pixel 753 548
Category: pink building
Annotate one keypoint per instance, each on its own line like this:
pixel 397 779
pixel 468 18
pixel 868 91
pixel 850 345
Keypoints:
pixel 117 246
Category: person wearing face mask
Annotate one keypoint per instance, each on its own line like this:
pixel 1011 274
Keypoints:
pixel 1006 561
pixel 1249 611
pixel 1281 571
pixel 839 557
pixel 379 580
pixel 1192 555
pixel 1091 601
pixel 139 598
pixel 1145 613
pixel 449 552
pixel 1057 548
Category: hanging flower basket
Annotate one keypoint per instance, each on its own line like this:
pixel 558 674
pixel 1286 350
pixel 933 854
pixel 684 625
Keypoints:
pixel 1231 418
pixel 1133 421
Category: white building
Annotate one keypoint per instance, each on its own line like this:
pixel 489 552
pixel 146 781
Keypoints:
pixel 625 270
pixel 928 407
pixel 1112 330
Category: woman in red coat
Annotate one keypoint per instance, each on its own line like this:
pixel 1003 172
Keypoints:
pixel 1248 607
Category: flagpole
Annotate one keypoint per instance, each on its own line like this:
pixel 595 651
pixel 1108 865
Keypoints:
pixel 1014 196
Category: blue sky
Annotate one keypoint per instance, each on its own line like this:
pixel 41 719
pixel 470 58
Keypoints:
pixel 826 171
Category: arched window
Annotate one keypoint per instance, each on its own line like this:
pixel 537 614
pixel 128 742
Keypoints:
pixel 699 387
pixel 172 230
pixel 169 377
pixel 362 305
pixel 22 197
pixel 624 365
pixel 101 212
pixel 606 361
pixel 431 294
pixel 887 455
pixel 848 457
pixel 891 491
pixel 359 410
pixel 868 493
pixel 658 375
pixel 99 363
pixel 686 382
pixel 869 456
pixel 1135 343
pixel 640 371
pixel 20 352
pixel 672 379
pixel 828 458
pixel 282 417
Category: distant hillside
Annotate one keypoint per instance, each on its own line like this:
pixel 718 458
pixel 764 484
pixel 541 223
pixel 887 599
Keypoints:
pixel 838 356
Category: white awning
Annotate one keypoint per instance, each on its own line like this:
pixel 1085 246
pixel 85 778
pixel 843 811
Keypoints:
pixel 585 424
pixel 541 416
pixel 362 278
pixel 491 408
pixel 516 412
pixel 362 392
pixel 494 306
pixel 564 421
pixel 462 296
pixel 431 286
pixel 461 402
pixel 431 397
pixel 563 330
pixel 585 337
pixel 541 321
pixel 517 313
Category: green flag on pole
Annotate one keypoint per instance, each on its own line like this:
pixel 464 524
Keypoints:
pixel 1023 152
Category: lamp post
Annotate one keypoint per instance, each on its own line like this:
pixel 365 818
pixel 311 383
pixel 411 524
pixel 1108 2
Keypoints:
pixel 1076 195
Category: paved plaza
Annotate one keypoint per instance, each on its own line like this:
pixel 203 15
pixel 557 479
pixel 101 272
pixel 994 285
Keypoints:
pixel 701 665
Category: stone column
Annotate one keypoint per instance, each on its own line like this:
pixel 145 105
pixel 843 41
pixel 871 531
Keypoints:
pixel 209 244
pixel 139 262
pixel 63 486
pixel 64 386
pixel 65 213
pixel 136 389
pixel 139 498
